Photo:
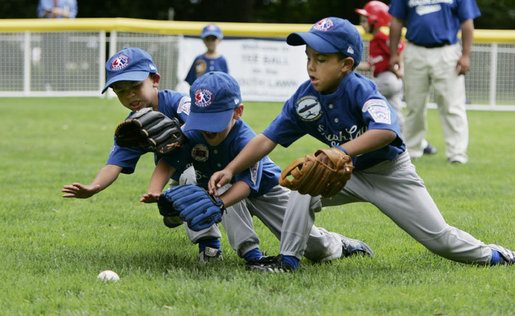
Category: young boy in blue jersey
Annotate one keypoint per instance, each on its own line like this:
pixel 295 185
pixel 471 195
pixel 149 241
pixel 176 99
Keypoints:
pixel 216 134
pixel 211 60
pixel 347 112
pixel 134 78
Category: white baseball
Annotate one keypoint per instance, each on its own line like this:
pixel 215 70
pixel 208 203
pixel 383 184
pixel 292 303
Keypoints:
pixel 108 276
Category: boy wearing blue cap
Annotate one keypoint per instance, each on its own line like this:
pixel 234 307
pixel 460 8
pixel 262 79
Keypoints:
pixel 216 133
pixel 134 78
pixel 211 60
pixel 347 112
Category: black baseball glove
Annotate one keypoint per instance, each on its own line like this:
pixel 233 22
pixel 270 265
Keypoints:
pixel 149 130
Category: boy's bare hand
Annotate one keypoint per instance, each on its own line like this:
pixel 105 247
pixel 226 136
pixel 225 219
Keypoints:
pixel 79 190
pixel 149 198
pixel 218 180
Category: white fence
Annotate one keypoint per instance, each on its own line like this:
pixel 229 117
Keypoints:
pixel 71 63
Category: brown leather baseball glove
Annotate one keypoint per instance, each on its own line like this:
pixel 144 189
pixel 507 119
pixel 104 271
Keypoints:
pixel 324 173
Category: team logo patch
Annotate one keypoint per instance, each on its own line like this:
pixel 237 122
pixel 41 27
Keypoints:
pixel 308 108
pixel 203 98
pixel 379 110
pixel 120 62
pixel 200 67
pixel 184 105
pixel 323 25
pixel 200 153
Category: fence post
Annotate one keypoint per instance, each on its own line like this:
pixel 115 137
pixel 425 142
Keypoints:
pixel 493 75
pixel 27 57
pixel 101 59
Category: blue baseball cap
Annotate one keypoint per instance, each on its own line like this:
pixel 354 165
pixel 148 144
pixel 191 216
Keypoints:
pixel 129 64
pixel 211 30
pixel 214 96
pixel 331 35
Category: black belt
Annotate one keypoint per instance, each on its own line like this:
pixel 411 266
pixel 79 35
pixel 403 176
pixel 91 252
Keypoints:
pixel 435 45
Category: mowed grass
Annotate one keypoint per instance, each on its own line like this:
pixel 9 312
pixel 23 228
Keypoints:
pixel 52 249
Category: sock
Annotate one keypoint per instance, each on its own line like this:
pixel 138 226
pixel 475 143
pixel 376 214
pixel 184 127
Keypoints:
pixel 253 255
pixel 291 261
pixel 496 258
pixel 209 242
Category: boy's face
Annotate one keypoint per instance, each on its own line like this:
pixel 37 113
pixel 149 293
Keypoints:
pixel 215 139
pixel 136 95
pixel 363 21
pixel 326 70
pixel 211 43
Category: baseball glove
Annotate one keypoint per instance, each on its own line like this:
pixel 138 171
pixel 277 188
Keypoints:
pixel 324 173
pixel 196 207
pixel 149 130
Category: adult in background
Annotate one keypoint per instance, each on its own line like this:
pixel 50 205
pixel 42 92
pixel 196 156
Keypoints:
pixel 434 57
pixel 55 46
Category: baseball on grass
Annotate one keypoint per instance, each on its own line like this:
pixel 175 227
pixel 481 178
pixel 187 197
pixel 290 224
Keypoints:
pixel 108 276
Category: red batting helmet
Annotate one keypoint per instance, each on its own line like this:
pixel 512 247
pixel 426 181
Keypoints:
pixel 377 13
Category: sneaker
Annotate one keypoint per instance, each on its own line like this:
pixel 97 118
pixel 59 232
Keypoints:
pixel 429 150
pixel 271 265
pixel 172 221
pixel 507 255
pixel 210 255
pixel 352 247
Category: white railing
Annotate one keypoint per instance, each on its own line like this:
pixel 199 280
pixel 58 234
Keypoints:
pixel 39 57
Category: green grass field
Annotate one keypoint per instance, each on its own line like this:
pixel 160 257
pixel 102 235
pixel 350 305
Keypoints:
pixel 52 249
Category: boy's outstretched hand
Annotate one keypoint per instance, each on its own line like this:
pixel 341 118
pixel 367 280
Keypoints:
pixel 149 198
pixel 79 190
pixel 218 180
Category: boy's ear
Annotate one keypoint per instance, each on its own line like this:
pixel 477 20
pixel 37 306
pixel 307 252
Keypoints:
pixel 155 79
pixel 238 112
pixel 347 64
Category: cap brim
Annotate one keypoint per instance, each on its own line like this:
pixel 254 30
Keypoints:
pixel 126 76
pixel 217 35
pixel 213 122
pixel 361 12
pixel 312 40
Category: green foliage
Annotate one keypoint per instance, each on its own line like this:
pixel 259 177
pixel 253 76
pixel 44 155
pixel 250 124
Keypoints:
pixel 52 248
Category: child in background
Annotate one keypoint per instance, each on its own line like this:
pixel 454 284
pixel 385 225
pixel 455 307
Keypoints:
pixel 347 112
pixel 211 60
pixel 372 17
pixel 216 134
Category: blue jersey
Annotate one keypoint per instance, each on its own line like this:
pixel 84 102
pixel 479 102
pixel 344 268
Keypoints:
pixel 207 159
pixel 45 6
pixel 170 103
pixel 336 118
pixel 203 64
pixel 433 22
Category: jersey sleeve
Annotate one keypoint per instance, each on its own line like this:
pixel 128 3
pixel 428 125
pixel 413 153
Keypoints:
pixel 285 128
pixel 467 10
pixel 126 158
pixel 191 76
pixel 398 9
pixel 174 104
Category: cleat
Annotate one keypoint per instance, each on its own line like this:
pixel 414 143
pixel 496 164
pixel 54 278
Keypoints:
pixel 210 255
pixel 430 150
pixel 507 255
pixel 270 265
pixel 263 260
pixel 172 221
pixel 352 247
